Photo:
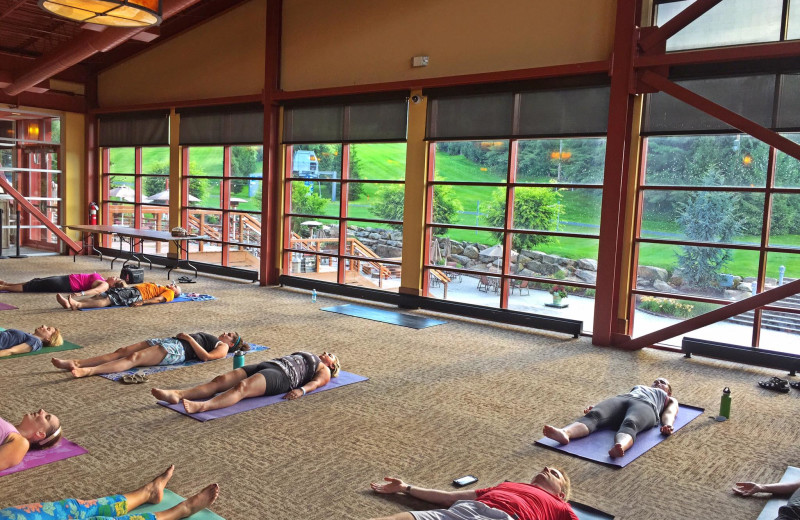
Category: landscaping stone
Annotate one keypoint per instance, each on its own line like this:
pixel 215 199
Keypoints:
pixel 471 252
pixel 586 276
pixel 375 236
pixel 745 287
pixel 385 251
pixel 662 286
pixel 463 260
pixel 587 264
pixel 652 273
pixel 550 259
pixel 533 255
pixel 456 248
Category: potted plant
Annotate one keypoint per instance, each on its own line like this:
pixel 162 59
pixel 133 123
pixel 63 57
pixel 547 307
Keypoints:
pixel 558 292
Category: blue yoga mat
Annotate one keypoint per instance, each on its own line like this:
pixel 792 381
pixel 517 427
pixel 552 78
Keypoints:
pixel 770 511
pixel 344 379
pixel 178 299
pixel 117 376
pixel 411 321
pixel 595 446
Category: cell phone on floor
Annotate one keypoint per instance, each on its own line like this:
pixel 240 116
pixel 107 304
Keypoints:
pixel 465 481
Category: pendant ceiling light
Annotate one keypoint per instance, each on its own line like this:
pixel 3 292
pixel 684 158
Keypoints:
pixel 119 13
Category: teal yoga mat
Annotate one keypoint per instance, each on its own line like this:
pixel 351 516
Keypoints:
pixel 173 499
pixel 770 511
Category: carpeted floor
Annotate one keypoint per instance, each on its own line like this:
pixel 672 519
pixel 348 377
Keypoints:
pixel 456 399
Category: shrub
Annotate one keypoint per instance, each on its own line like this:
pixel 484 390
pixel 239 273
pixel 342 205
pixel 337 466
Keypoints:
pixel 534 208
pixel 668 306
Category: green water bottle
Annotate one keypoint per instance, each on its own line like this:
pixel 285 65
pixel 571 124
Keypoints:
pixel 238 359
pixel 725 403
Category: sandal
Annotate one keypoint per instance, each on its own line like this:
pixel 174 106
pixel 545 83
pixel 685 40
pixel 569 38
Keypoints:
pixel 795 385
pixel 134 379
pixel 776 384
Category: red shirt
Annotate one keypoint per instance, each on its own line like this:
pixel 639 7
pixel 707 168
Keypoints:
pixel 526 501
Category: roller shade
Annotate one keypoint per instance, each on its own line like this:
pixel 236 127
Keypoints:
pixel 228 125
pixel 134 129
pixel 380 121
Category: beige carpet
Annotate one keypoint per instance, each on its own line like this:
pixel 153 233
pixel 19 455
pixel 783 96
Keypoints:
pixel 456 399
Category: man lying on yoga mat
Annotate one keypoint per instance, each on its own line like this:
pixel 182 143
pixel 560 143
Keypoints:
pixel 157 351
pixel 13 341
pixel 294 375
pixel 545 498
pixel 117 506
pixel 83 284
pixel 630 413
pixel 791 511
pixel 132 296
pixel 36 431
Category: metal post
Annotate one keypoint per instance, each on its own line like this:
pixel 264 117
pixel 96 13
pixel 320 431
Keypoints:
pixel 18 255
pixel 1 235
pixel 781 272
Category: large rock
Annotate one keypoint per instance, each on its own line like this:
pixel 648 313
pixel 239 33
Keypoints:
pixel 550 259
pixel 375 236
pixel 745 287
pixel 533 255
pixel 461 259
pixel 396 236
pixel 566 262
pixel 587 264
pixel 662 286
pixel 471 252
pixel 652 273
pixel 456 248
pixel 385 251
pixel 545 269
pixel 526 272
pixel 586 276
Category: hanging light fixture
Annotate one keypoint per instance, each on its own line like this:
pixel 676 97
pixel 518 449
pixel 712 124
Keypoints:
pixel 118 13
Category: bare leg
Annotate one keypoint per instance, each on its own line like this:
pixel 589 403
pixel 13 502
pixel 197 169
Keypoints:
pixel 69 364
pixel 62 301
pixel 575 430
pixel 622 443
pixel 398 516
pixel 152 492
pixel 253 386
pixel 90 303
pixel 191 505
pixel 220 383
pixel 10 287
pixel 143 358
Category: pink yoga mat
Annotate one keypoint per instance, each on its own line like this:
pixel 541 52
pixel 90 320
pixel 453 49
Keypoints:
pixel 65 449
pixel 7 307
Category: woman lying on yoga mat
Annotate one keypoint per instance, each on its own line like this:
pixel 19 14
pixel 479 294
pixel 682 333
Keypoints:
pixel 132 296
pixel 36 431
pixel 163 351
pixel 13 341
pixel 83 284
pixel 117 506
pixel 630 413
pixel 294 375
pixel 791 511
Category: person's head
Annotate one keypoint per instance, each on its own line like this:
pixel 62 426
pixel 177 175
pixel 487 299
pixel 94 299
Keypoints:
pixel 555 481
pixel 50 336
pixel 42 429
pixel 331 361
pixel 116 282
pixel 663 384
pixel 234 341
pixel 174 288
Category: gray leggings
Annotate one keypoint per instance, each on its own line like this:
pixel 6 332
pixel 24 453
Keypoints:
pixel 790 511
pixel 627 414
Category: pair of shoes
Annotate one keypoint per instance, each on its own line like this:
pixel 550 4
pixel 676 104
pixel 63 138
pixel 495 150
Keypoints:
pixel 134 379
pixel 776 384
pixel 795 385
pixel 185 279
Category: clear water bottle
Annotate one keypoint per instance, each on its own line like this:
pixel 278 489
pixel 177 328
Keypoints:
pixel 313 296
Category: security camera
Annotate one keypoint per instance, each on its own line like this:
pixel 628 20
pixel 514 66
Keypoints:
pixel 416 99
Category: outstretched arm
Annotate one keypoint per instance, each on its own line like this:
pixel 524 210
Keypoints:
pixel 668 416
pixel 747 489
pixel 98 287
pixel 149 301
pixel 393 485
pixel 16 349
pixel 13 450
pixel 219 352
pixel 321 378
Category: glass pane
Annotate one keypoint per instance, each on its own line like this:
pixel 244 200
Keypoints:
pixel 464 246
pixel 248 198
pixel 316 161
pixel 204 193
pixel 787 169
pixel 204 222
pixel 551 209
pixel 560 258
pixel 155 218
pixel 155 160
pixel 244 228
pixel 561 301
pixel 54 134
pixel 575 161
pixel 155 190
pixel 369 240
pixel 782 268
pixel 378 201
pixel 318 267
pixel 780 331
pixel 785 220
pixel 121 215
pixel 703 216
pixel 706 160
pixel 318 235
pixel 704 271
pixel 378 161
pixel 306 198
pixel 481 206
pixel 205 251
pixel 122 160
pixel 732 22
pixel 206 160
pixel 793 29
pixel 474 289
pixel 471 161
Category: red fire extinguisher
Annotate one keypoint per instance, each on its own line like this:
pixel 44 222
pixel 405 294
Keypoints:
pixel 93 213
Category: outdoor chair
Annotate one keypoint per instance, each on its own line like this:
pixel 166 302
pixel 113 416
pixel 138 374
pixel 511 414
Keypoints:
pixel 455 277
pixel 483 283
pixel 520 285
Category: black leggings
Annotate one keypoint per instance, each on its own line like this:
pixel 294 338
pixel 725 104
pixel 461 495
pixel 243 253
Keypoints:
pixel 57 284
pixel 627 414
pixel 790 511
pixel 277 381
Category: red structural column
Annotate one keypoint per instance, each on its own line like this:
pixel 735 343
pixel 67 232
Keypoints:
pixel 271 183
pixel 612 221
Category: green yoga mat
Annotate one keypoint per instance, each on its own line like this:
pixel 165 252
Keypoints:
pixel 172 499
pixel 44 350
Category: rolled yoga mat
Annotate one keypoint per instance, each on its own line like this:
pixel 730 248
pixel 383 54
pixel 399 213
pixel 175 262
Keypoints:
pixel 411 321
pixel 770 511
pixel 45 350
pixel 595 447
pixel 65 449
pixel 344 379
pixel 172 499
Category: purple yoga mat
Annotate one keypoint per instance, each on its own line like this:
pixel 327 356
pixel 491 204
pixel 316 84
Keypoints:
pixel 345 378
pixel 65 449
pixel 7 307
pixel 595 447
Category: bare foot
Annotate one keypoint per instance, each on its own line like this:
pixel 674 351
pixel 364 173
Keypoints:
pixel 73 303
pixel 155 489
pixel 616 451
pixel 64 364
pixel 557 434
pixel 193 406
pixel 203 499
pixel 79 372
pixel 62 301
pixel 170 396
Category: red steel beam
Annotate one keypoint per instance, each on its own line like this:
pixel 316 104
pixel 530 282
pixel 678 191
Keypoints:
pixel 723 114
pixel 34 211
pixel 723 313
pixel 760 51
pixel 678 22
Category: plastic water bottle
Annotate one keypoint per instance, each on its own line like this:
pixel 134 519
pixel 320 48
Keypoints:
pixel 725 403
pixel 313 296
pixel 238 359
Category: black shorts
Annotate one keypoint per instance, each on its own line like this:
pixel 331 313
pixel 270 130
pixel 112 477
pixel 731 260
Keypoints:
pixel 277 381
pixel 124 296
pixel 50 284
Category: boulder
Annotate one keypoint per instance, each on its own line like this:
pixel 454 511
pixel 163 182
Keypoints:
pixel 456 248
pixel 375 236
pixel 652 273
pixel 662 286
pixel 550 259
pixel 526 272
pixel 586 275
pixel 461 259
pixel 587 264
pixel 396 235
pixel 745 287
pixel 471 252
pixel 533 255
pixel 385 251
pixel 566 262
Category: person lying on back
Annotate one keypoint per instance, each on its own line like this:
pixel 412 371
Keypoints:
pixel 132 296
